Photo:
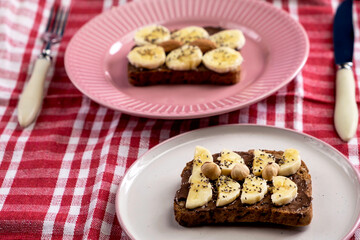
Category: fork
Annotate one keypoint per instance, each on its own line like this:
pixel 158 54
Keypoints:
pixel 31 98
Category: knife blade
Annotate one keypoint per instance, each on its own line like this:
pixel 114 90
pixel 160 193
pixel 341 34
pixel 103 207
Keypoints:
pixel 346 111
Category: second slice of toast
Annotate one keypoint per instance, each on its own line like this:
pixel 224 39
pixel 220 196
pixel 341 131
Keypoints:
pixel 164 75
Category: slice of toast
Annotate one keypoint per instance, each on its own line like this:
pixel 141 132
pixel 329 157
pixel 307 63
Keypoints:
pixel 164 75
pixel 296 213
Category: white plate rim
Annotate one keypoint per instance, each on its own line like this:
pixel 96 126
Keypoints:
pixel 143 156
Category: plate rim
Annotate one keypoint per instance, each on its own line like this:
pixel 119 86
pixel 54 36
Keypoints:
pixel 142 156
pixel 187 115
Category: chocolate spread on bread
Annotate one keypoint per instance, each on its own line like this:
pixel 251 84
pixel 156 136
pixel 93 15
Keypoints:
pixel 296 213
pixel 164 75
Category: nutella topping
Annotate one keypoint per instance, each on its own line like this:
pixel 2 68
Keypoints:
pixel 302 200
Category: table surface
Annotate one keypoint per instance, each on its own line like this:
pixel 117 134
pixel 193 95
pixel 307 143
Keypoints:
pixel 58 177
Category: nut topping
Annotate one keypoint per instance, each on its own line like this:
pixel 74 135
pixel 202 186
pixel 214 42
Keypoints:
pixel 211 170
pixel 170 45
pixel 205 45
pixel 271 170
pixel 239 172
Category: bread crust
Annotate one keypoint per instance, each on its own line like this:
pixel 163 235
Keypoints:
pixel 164 75
pixel 297 213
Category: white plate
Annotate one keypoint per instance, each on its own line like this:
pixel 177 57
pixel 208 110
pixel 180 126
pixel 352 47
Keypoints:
pixel 144 201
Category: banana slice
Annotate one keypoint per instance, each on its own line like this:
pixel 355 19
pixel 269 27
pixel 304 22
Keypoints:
pixel 185 58
pixel 189 34
pixel 222 60
pixel 200 191
pixel 228 159
pixel 254 189
pixel 261 159
pixel 147 56
pixel 284 190
pixel 201 156
pixel 229 38
pixel 153 34
pixel 290 163
pixel 228 190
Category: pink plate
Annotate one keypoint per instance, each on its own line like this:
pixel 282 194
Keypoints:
pixel 276 48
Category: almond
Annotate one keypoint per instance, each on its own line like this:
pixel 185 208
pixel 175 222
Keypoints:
pixel 170 45
pixel 204 44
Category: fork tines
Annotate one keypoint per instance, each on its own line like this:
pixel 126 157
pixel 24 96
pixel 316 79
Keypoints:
pixel 57 20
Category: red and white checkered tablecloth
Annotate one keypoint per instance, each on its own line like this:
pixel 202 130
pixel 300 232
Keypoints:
pixel 58 178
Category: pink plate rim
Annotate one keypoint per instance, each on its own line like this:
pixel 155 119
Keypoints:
pixel 76 74
pixel 117 197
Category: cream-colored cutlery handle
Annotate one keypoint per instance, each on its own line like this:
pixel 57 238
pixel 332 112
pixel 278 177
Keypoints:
pixel 32 95
pixel 346 111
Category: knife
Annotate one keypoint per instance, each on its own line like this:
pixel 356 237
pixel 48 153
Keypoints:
pixel 346 111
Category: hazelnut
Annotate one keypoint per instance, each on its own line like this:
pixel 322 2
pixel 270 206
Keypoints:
pixel 271 170
pixel 239 172
pixel 205 45
pixel 170 45
pixel 211 170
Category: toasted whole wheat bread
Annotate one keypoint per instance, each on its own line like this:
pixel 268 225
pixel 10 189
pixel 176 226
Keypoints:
pixel 164 75
pixel 297 213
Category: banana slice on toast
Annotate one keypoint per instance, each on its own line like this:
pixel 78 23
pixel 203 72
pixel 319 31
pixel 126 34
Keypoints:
pixel 231 38
pixel 153 34
pixel 290 163
pixel 190 34
pixel 253 190
pixel 261 160
pixel 147 56
pixel 228 190
pixel 222 60
pixel 184 58
pixel 284 190
pixel 200 191
pixel 228 159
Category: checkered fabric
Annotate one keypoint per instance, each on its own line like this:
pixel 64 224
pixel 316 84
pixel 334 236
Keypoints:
pixel 58 177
